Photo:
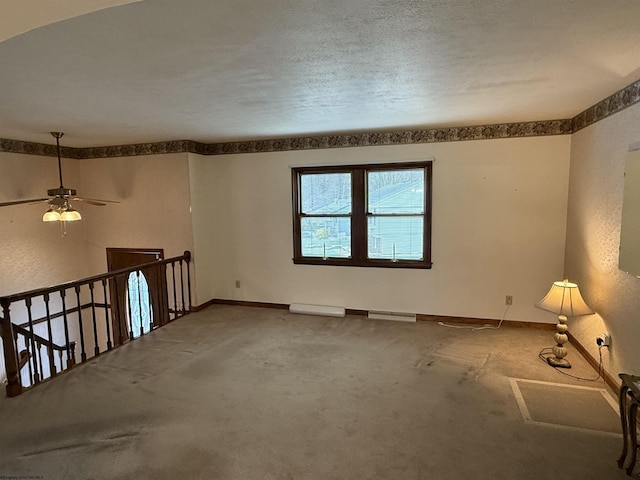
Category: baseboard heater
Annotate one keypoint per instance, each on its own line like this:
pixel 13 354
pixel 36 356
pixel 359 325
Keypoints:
pixel 397 316
pixel 323 310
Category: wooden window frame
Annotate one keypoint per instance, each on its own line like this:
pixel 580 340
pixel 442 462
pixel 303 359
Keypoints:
pixel 359 216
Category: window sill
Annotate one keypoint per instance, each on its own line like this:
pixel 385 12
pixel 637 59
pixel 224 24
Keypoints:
pixel 349 262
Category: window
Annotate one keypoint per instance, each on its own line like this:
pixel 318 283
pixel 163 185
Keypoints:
pixel 139 311
pixel 363 215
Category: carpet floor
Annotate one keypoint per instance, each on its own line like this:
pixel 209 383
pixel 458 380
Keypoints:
pixel 251 393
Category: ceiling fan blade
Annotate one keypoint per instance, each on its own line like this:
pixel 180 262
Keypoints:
pixel 93 201
pixel 18 202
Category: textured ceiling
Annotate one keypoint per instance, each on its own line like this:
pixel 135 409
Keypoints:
pixel 225 70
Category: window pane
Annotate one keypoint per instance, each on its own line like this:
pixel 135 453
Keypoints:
pixel 395 191
pixel 397 238
pixel 326 237
pixel 325 193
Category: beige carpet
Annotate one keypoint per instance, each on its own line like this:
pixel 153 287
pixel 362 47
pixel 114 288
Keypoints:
pixel 249 393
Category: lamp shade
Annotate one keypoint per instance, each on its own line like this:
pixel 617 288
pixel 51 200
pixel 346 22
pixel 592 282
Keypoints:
pixel 51 215
pixel 564 299
pixel 70 215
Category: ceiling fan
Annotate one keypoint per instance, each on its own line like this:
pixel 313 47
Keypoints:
pixel 60 209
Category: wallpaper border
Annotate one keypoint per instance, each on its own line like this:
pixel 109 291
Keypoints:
pixel 620 100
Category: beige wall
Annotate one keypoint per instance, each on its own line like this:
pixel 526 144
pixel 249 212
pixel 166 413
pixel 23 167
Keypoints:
pixel 33 253
pixel 154 208
pixel 154 212
pixel 21 17
pixel 208 180
pixel 499 220
pixel 593 234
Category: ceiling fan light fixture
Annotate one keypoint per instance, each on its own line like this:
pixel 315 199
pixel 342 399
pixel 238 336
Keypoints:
pixel 51 215
pixel 60 209
pixel 70 215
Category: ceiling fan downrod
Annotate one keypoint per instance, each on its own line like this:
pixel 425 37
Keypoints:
pixel 61 191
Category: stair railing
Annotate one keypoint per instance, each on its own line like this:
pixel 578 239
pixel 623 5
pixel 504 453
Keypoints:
pixel 41 328
pixel 65 352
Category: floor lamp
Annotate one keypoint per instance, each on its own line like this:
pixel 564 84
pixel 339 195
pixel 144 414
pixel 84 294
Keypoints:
pixel 564 300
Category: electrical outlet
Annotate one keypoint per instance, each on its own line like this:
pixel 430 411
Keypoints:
pixel 237 283
pixel 603 340
pixel 508 300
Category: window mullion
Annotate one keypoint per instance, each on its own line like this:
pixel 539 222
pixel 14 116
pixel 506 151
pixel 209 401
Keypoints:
pixel 359 217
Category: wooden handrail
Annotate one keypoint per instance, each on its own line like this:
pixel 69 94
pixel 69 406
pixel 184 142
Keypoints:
pixel 23 359
pixel 53 316
pixel 17 330
pixel 25 355
pixel 76 283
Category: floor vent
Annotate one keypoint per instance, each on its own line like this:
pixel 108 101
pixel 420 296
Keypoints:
pixel 323 310
pixel 397 316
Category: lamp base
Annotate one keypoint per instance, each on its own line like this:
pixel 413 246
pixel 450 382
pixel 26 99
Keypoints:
pixel 558 362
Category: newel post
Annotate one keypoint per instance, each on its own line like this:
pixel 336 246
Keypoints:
pixel 14 386
pixel 187 257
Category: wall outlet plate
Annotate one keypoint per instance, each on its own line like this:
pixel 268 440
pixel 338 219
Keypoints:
pixel 603 340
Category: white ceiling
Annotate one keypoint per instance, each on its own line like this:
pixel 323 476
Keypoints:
pixel 225 70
